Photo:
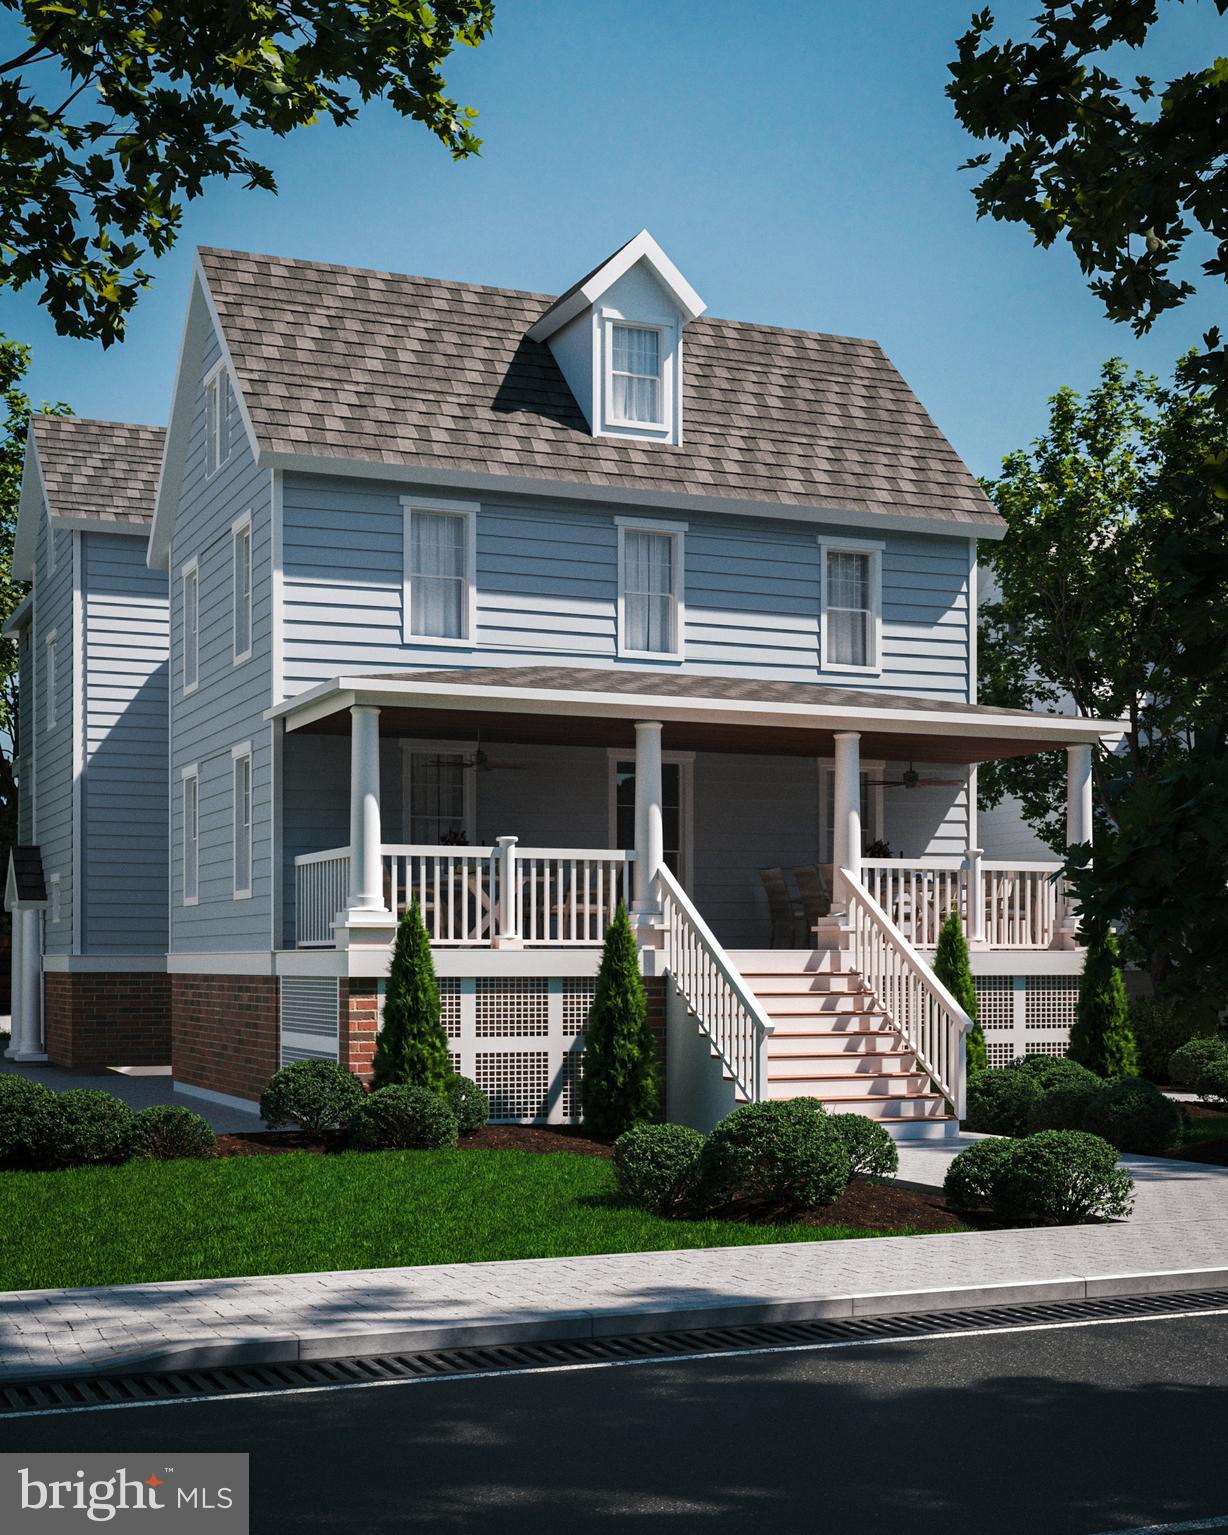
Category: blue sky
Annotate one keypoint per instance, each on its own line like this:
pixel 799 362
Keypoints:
pixel 798 162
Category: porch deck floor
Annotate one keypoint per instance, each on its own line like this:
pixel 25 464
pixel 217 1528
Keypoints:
pixel 1177 1239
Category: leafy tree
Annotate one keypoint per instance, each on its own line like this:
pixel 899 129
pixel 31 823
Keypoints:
pixel 115 115
pixel 621 1078
pixel 412 1048
pixel 14 428
pixel 952 967
pixel 1101 1038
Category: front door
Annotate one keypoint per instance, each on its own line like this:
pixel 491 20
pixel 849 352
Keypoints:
pixel 675 811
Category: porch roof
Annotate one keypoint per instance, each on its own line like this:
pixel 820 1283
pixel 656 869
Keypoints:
pixel 548 705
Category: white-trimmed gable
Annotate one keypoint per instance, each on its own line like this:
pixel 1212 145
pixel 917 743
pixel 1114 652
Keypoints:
pixel 617 338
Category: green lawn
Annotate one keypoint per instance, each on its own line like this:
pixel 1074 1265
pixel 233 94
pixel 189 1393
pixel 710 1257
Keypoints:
pixel 1209 1129
pixel 301 1213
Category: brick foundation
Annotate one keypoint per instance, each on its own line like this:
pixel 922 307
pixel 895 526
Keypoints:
pixel 358 1026
pixel 224 1032
pixel 107 1018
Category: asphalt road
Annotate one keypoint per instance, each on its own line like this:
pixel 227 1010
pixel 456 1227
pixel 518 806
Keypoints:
pixel 1058 1432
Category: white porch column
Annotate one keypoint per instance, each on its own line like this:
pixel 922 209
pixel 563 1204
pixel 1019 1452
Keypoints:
pixel 366 864
pixel 973 873
pixel 27 1021
pixel 846 809
pixel 1078 829
pixel 649 819
pixel 18 1019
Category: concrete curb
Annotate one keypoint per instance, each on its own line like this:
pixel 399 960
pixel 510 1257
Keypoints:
pixel 617 1322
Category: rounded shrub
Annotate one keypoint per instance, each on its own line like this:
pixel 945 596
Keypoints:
pixel 999 1100
pixel 1063 1107
pixel 1061 1177
pixel 317 1096
pixel 782 1155
pixel 656 1166
pixel 92 1127
pixel 1213 1083
pixel 972 1177
pixel 468 1102
pixel 1050 1072
pixel 871 1151
pixel 1186 1065
pixel 29 1119
pixel 1134 1115
pixel 400 1118
pixel 1160 1029
pixel 170 1132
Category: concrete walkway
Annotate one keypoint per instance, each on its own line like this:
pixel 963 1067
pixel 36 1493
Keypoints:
pixel 138 1092
pixel 1177 1239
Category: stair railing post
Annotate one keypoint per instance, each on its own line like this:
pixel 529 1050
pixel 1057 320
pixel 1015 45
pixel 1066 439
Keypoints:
pixel 507 935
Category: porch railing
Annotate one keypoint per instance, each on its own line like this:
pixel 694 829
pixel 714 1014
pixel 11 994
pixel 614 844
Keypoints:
pixel 1019 903
pixel 475 895
pixel 919 1006
pixel 727 1011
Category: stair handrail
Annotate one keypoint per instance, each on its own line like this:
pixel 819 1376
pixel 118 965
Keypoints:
pixel 729 1014
pixel 921 1009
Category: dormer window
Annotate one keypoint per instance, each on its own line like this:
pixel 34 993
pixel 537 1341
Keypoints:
pixel 635 375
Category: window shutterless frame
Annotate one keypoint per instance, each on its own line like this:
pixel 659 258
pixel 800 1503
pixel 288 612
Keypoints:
pixel 619 382
pixel 431 591
pixel 189 593
pixel 241 588
pixel 830 613
pixel 57 908
pixel 630 629
pixel 217 418
pixel 190 790
pixel 241 777
pixel 50 646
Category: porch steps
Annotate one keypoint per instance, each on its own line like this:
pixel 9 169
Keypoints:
pixel 831 1041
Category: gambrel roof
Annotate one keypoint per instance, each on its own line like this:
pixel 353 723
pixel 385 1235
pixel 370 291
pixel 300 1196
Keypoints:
pixel 375 368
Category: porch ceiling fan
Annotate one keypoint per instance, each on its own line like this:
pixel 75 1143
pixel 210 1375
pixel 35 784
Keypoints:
pixel 481 763
pixel 913 780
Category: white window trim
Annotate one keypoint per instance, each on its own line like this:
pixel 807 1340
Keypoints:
pixel 239 526
pixel 55 906
pixel 686 761
pixel 410 745
pixel 51 677
pixel 874 550
pixel 677 532
pixel 670 354
pixel 192 771
pixel 827 778
pixel 241 753
pixel 221 419
pixel 664 340
pixel 468 510
pixel 189 568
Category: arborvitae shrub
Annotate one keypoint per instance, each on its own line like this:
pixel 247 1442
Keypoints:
pixel 1100 1038
pixel 412 1048
pixel 621 1077
pixel 953 969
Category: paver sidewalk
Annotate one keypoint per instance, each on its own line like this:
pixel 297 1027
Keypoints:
pixel 1177 1239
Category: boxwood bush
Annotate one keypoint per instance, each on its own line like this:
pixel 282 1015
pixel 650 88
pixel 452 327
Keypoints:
pixel 656 1166
pixel 468 1102
pixel 1050 1072
pixel 170 1132
pixel 1061 1177
pixel 91 1127
pixel 781 1156
pixel 1134 1115
pixel 1063 1107
pixel 1213 1083
pixel 999 1100
pixel 401 1118
pixel 1187 1064
pixel 28 1123
pixel 972 1177
pixel 1160 1028
pixel 871 1151
pixel 318 1096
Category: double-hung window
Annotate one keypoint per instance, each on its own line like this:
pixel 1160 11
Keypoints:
pixel 851 604
pixel 190 591
pixel 635 375
pixel 56 913
pixel 439 571
pixel 650 590
pixel 191 836
pixel 241 765
pixel 241 585
pixel 217 418
pixel 49 713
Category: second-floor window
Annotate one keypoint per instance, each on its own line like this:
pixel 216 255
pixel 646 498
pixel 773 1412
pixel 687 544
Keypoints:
pixel 57 908
pixel 439 573
pixel 241 564
pixel 850 608
pixel 650 591
pixel 635 375
pixel 52 645
pixel 191 626
pixel 191 836
pixel 241 759
pixel 217 418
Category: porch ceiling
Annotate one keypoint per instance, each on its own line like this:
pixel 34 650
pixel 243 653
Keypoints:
pixel 587 707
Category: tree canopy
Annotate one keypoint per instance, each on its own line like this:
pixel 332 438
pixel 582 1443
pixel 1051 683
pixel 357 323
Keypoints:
pixel 114 116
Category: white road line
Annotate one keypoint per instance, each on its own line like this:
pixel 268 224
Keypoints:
pixel 622 1364
pixel 1219 1522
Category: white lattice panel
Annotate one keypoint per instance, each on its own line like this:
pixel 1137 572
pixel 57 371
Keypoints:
pixel 995 1002
pixel 512 1008
pixel 450 1007
pixel 517 1082
pixel 573 1075
pixel 1026 1015
pixel 578 994
pixel 309 1009
pixel 1050 1002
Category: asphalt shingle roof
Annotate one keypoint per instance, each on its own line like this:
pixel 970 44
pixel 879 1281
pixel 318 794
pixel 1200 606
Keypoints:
pixel 343 363
pixel 102 469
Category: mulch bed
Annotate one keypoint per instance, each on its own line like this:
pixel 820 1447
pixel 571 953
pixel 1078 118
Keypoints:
pixel 864 1206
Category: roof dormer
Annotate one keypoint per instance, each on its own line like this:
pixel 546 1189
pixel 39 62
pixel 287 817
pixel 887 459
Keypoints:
pixel 617 338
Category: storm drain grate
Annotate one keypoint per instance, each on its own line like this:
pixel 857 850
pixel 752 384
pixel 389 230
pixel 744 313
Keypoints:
pixel 137 1388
